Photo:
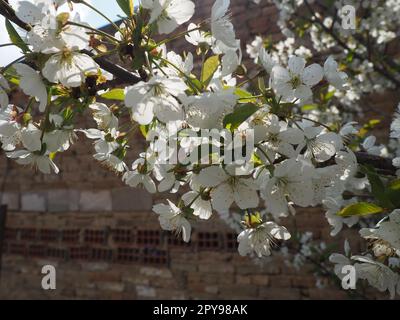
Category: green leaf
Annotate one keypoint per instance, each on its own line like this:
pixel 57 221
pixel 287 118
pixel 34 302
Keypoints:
pixel 12 76
pixel 244 95
pixel 15 37
pixel 114 94
pixel 309 107
pixel 242 112
pixel 393 192
pixel 209 68
pixel 360 209
pixel 329 95
pixel 377 186
pixel 126 6
pixel 144 129
pixel 394 185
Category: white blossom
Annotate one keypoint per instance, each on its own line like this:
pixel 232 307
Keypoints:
pixel 296 81
pixel 31 83
pixel 172 219
pixel 169 14
pixel 221 26
pixel 261 238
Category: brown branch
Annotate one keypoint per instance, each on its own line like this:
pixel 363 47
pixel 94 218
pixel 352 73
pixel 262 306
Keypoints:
pixel 121 75
pixel 384 165
pixel 358 56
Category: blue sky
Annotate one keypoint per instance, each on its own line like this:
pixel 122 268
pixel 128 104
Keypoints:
pixel 110 8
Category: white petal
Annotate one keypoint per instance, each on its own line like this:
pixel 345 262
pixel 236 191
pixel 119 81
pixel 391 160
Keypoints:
pixel 222 197
pixel 296 65
pixel 312 75
pixel 212 176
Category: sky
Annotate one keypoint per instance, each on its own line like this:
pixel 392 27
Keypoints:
pixel 109 8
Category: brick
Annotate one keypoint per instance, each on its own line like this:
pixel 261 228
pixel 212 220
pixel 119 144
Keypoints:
pixel 11 199
pixel 34 201
pixel 95 266
pixel 237 291
pixel 92 201
pixel 131 199
pixel 156 272
pixel 145 291
pixel 217 268
pixel 137 280
pixel 111 286
pixel 183 266
pixel 281 281
pixel 304 282
pixel 245 279
pixel 63 200
pixel 211 289
pixel 261 280
pixel 279 294
pixel 327 294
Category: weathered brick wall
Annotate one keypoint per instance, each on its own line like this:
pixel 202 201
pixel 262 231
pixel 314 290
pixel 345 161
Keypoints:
pixel 106 243
pixel 125 255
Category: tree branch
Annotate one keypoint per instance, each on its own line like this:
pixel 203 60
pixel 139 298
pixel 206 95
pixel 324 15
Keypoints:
pixel 358 56
pixel 384 165
pixel 121 75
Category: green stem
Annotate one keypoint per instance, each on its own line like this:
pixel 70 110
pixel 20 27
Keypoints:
pixel 178 36
pixel 192 85
pixel 113 39
pixel 264 153
pixel 6 45
pixel 11 63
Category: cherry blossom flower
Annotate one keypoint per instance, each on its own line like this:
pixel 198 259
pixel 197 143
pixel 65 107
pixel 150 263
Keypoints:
pixel 293 179
pixel 10 129
pixel 333 206
pixel 228 189
pixel 197 37
pixel 41 162
pixel 169 14
pixel 155 98
pixel 321 145
pixel 377 274
pixel 296 81
pixel 140 176
pixel 261 238
pixel 386 230
pixel 221 27
pixel 253 49
pixel 103 116
pixel 172 219
pixel 69 68
pixel 333 75
pixel 199 200
pixel 31 83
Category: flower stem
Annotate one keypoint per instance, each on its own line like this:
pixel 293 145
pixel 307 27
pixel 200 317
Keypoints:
pixel 113 39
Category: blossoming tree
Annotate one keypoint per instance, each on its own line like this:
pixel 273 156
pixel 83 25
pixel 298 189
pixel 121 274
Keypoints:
pixel 250 148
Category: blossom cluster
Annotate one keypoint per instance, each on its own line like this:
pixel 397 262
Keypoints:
pixel 296 159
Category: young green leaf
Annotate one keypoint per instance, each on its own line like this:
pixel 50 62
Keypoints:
pixel 209 68
pixel 15 37
pixel 394 185
pixel 360 209
pixel 233 120
pixel 244 95
pixel 114 94
pixel 126 6
pixel 377 186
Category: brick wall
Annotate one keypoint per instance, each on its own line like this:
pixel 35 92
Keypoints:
pixel 106 243
pixel 125 255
